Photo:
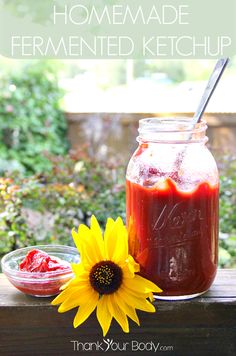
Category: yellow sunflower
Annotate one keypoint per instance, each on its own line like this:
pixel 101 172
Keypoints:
pixel 105 278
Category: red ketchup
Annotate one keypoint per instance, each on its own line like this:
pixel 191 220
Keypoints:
pixel 173 234
pixel 48 273
pixel 40 261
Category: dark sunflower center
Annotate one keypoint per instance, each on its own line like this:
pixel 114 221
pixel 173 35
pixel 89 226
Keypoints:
pixel 105 277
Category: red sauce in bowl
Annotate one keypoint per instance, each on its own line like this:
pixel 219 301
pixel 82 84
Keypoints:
pixel 40 261
pixel 43 274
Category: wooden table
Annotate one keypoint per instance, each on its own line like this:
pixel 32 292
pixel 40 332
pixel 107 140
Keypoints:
pixel 201 326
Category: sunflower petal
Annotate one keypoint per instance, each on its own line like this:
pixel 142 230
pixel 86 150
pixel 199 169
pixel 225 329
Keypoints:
pixel 97 232
pixel 121 252
pixel 77 268
pixel 85 310
pixel 137 303
pixel 127 309
pixel 63 295
pixel 94 245
pixel 88 246
pixel 150 297
pixel 91 253
pixel 116 241
pixel 127 273
pixel 76 239
pixel 109 241
pixel 137 294
pixel 79 297
pixel 117 313
pixel 79 244
pixel 72 283
pixel 109 226
pixel 142 285
pixel 134 266
pixel 103 315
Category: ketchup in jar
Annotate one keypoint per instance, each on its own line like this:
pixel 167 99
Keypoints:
pixel 172 189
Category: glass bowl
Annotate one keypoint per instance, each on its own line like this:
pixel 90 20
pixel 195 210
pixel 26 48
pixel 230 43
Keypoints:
pixel 39 284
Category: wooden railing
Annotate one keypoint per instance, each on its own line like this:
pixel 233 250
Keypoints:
pixel 113 134
pixel 202 326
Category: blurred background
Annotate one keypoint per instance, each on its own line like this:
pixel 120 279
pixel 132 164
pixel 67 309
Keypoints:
pixel 68 128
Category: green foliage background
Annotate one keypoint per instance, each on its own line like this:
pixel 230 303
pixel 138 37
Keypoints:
pixel 227 246
pixel 68 196
pixel 32 125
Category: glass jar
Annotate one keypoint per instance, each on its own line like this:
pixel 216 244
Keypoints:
pixel 172 189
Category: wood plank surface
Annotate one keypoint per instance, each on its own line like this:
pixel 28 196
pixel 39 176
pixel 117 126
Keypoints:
pixel 201 326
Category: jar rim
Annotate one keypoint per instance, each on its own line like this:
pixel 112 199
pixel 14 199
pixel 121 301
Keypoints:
pixel 170 125
pixel 171 130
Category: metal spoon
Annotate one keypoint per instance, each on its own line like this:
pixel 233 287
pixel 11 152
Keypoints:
pixel 211 85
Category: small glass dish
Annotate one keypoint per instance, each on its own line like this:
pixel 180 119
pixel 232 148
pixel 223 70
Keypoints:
pixel 39 284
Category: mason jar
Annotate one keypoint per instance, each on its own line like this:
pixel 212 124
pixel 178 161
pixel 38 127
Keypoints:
pixel 172 188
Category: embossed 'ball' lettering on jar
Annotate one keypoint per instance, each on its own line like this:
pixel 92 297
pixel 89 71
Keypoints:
pixel 172 188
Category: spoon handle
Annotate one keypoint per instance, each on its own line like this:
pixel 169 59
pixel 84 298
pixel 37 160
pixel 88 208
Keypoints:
pixel 211 85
